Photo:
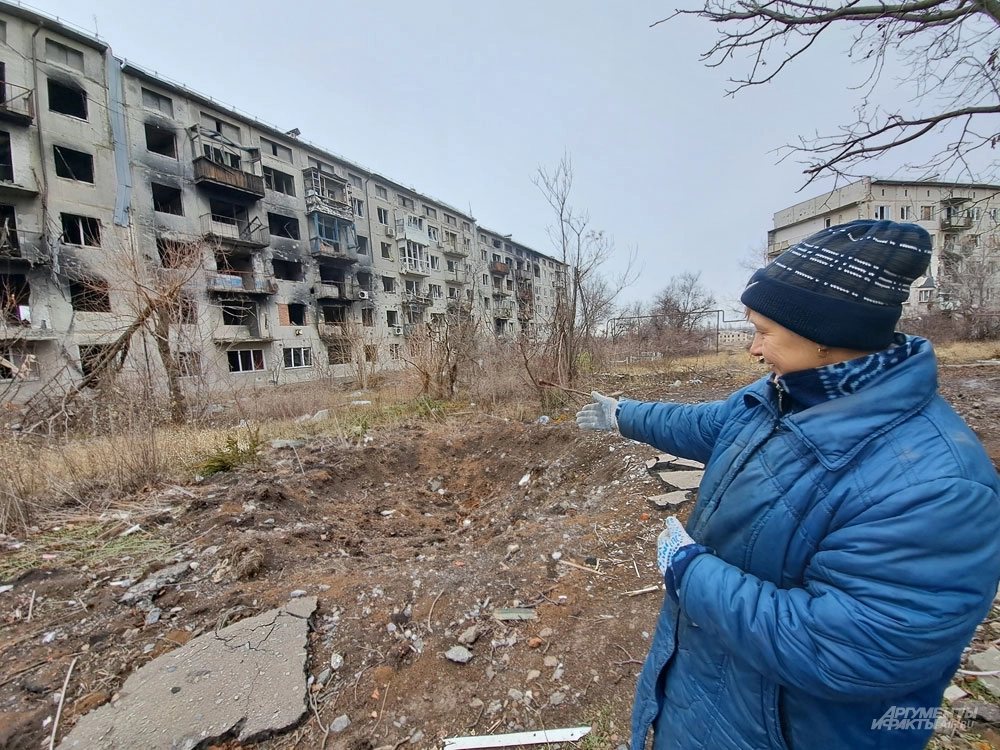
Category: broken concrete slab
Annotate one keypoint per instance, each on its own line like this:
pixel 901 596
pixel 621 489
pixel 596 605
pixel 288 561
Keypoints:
pixel 687 463
pixel 246 680
pixel 987 661
pixel 682 480
pixel 514 613
pixel 661 461
pixel 669 500
pixel 150 586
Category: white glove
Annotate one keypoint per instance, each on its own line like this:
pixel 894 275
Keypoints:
pixel 671 541
pixel 599 415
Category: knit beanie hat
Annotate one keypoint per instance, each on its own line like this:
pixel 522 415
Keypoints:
pixel 845 285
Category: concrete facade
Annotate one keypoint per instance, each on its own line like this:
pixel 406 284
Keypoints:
pixel 963 221
pixel 114 181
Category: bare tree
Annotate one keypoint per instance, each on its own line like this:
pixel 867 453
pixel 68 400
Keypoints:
pixel 684 303
pixel 969 285
pixel 437 350
pixel 583 295
pixel 947 51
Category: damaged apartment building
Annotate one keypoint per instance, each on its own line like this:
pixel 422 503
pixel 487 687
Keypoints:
pixel 131 203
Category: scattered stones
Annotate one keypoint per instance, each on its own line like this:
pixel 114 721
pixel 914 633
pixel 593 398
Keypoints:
pixel 153 616
pixel 458 654
pixel 557 698
pixel 533 674
pixel 469 635
pixel 514 613
pixel 682 480
pixel 150 586
pixel 297 594
pixel 416 737
pixel 339 724
pixel 535 642
pixel 954 693
pixel 336 661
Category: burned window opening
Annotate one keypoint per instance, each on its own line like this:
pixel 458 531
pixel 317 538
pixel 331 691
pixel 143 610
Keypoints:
pixel 6 158
pixel 80 230
pixel 73 165
pixel 161 140
pixel 287 270
pixel 279 181
pixel 67 100
pixel 90 295
pixel 280 225
pixel 167 199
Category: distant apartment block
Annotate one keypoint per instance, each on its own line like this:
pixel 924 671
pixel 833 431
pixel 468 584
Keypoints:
pixel 963 220
pixel 292 260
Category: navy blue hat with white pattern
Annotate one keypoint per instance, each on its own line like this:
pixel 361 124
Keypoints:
pixel 845 285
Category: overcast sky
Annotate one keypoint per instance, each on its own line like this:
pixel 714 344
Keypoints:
pixel 465 100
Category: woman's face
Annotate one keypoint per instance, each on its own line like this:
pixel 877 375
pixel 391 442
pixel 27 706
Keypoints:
pixel 784 351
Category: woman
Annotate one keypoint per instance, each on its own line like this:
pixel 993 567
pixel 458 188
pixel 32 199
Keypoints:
pixel 846 538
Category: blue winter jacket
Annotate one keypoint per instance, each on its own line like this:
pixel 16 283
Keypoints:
pixel 857 547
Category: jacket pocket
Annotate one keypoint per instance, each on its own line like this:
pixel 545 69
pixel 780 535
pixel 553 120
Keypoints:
pixel 774 717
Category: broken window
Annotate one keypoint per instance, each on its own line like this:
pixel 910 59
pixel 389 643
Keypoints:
pixel 371 353
pixel 166 199
pixel 279 181
pixel 383 215
pixel 6 158
pixel 394 351
pixel 74 165
pixel 8 228
pixel 404 201
pixel 926 213
pixel 362 245
pixel 176 254
pixel 354 179
pixel 95 358
pixel 184 311
pixel 159 102
pixel 391 318
pixel 189 364
pixel 237 314
pixel 381 192
pixel 430 213
pixel 296 314
pixel 160 140
pixel 388 284
pixel 334 314
pixel 280 225
pixel 63 55
pixel 387 250
pixel 80 230
pixel 358 206
pixel 246 360
pixel 67 100
pixel 287 270
pixel 368 317
pixel 339 353
pixel 14 299
pixel 90 295
pixel 432 233
pixel 297 356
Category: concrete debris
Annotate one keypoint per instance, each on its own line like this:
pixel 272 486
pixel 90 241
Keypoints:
pixel 682 480
pixel 954 693
pixel 469 635
pixel 245 680
pixel 336 661
pixel 339 724
pixel 514 613
pixel 278 444
pixel 670 500
pixel 987 661
pixel 150 586
pixel 458 654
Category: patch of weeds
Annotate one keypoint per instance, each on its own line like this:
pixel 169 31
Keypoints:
pixel 75 546
pixel 429 408
pixel 241 447
pixel 602 729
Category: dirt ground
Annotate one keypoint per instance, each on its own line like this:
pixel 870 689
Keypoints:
pixel 408 538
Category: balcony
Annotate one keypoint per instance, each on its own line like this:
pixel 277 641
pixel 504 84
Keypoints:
pixel 240 282
pixel 956 222
pixel 17 104
pixel 240 334
pixel 414 267
pixel 21 245
pixel 324 247
pixel 454 250
pixel 233 181
pixel 327 194
pixel 16 325
pixel 456 306
pixel 414 298
pixel 498 268
pixel 216 228
pixel 503 312
pixel 344 290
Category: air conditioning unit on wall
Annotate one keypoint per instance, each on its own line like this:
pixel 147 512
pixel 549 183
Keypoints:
pixel 390 232
pixel 363 295
pixel 397 330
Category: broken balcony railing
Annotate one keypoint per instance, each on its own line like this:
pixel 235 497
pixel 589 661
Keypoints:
pixel 237 282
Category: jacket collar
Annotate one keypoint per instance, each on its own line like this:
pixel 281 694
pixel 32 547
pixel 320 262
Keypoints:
pixel 838 429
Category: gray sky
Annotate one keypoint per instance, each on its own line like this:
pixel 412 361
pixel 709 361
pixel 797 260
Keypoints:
pixel 465 100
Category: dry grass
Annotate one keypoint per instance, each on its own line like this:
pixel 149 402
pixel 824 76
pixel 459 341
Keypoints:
pixel 964 352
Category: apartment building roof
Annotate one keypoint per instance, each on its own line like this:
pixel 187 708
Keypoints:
pixel 67 29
